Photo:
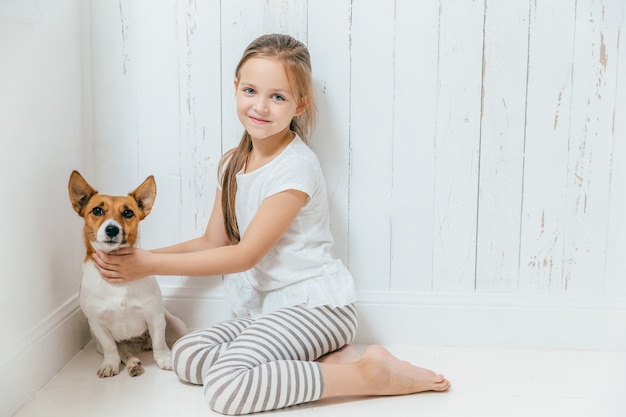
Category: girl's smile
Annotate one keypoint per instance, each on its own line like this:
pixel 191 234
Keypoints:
pixel 258 120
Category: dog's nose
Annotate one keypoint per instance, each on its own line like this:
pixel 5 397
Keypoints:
pixel 112 230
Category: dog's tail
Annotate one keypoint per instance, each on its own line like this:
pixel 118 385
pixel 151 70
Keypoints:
pixel 174 329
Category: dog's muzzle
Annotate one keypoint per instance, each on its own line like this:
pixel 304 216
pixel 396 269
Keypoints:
pixel 110 236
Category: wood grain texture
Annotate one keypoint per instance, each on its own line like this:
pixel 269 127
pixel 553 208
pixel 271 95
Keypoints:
pixel 468 147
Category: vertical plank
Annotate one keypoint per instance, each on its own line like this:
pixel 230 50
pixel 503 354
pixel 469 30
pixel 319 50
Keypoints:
pixel 590 145
pixel 287 16
pixel 199 116
pixel 613 55
pixel 615 285
pixel 199 110
pixel 505 58
pixel 114 95
pixel 371 122
pixel 414 123
pixel 546 146
pixel 457 145
pixel 158 144
pixel 330 59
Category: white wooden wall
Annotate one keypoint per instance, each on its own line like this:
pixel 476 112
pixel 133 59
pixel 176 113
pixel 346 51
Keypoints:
pixel 470 147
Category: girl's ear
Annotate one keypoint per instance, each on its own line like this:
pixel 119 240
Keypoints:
pixel 304 104
pixel 236 83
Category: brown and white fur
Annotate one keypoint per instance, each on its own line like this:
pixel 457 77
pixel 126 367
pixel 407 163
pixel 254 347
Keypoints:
pixel 121 316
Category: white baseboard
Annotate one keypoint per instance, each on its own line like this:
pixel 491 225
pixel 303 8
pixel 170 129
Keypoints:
pixel 494 320
pixel 33 360
pixel 472 320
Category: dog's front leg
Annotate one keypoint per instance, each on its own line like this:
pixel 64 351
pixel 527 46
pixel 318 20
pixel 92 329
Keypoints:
pixel 160 351
pixel 111 363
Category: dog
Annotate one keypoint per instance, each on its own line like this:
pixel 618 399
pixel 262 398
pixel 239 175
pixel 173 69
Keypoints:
pixel 122 317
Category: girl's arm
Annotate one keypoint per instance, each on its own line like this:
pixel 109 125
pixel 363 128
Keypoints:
pixel 271 221
pixel 214 235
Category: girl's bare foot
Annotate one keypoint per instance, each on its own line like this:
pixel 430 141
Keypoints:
pixel 346 354
pixel 392 376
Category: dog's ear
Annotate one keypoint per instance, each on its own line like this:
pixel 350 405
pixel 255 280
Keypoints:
pixel 145 195
pixel 80 192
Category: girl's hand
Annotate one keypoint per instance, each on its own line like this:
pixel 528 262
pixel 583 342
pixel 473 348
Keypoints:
pixel 123 265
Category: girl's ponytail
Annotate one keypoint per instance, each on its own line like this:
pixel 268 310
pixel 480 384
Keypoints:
pixel 233 162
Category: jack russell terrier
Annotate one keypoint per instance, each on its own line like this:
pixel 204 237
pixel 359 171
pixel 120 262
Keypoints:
pixel 121 316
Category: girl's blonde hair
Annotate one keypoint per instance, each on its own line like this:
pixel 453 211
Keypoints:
pixel 295 57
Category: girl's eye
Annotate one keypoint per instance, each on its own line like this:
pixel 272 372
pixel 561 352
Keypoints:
pixel 97 211
pixel 128 214
pixel 248 90
pixel 278 97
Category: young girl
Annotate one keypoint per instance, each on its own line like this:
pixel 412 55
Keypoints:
pixel 270 229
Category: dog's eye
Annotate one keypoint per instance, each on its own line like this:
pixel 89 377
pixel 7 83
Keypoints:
pixel 128 214
pixel 97 211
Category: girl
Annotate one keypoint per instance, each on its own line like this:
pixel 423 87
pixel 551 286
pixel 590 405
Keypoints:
pixel 270 229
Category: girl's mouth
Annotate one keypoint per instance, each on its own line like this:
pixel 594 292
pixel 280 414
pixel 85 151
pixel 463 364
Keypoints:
pixel 257 120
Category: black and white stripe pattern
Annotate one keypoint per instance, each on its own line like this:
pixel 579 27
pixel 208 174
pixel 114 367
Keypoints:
pixel 249 365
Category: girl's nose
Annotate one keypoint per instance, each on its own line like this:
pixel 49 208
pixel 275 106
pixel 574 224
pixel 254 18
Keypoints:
pixel 260 105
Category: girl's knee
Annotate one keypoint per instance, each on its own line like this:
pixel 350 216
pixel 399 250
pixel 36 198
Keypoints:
pixel 182 361
pixel 190 355
pixel 217 403
pixel 219 399
pixel 227 388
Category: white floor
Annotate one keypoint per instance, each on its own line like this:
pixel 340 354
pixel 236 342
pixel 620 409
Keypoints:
pixel 486 382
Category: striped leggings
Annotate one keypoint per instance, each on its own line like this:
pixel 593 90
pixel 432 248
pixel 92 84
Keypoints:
pixel 249 365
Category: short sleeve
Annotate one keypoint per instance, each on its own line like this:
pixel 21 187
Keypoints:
pixel 293 173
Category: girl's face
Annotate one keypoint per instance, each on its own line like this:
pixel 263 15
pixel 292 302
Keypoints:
pixel 266 102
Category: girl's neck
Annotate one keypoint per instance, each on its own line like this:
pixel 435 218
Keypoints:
pixel 265 150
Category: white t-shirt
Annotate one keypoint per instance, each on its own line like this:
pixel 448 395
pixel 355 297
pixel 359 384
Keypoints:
pixel 300 268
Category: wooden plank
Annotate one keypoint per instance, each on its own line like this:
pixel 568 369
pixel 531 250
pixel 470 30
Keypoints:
pixel 615 58
pixel 590 146
pixel 457 145
pixel 414 124
pixel 505 57
pixel 330 59
pixel 287 16
pixel 371 123
pixel 114 81
pixel 546 147
pixel 158 144
pixel 200 119
pixel 199 112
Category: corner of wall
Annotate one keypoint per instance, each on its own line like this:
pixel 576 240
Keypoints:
pixel 33 360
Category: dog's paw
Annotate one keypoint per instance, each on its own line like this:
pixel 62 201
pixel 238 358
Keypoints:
pixel 107 369
pixel 163 362
pixel 134 367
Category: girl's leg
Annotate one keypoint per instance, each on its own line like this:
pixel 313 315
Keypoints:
pixel 195 352
pixel 271 364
